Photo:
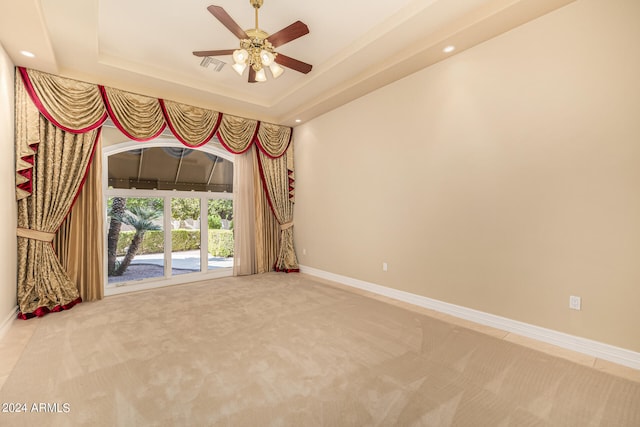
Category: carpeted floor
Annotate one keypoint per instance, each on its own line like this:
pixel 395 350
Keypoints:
pixel 285 350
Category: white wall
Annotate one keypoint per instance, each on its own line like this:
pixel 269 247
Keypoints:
pixel 8 211
pixel 504 179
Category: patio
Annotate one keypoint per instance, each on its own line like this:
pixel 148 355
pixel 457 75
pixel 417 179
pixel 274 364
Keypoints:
pixel 152 265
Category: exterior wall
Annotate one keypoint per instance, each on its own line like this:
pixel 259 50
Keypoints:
pixel 504 179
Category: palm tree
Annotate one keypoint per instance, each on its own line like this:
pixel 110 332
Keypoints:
pixel 141 218
pixel 116 212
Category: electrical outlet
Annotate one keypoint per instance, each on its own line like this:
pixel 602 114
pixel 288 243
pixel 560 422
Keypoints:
pixel 304 251
pixel 384 266
pixel 575 303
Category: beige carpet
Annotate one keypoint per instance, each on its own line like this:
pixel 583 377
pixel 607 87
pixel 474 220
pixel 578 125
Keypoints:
pixel 284 350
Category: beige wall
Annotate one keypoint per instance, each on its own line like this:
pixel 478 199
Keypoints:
pixel 504 179
pixel 8 213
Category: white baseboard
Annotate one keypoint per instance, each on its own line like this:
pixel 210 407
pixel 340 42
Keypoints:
pixel 597 349
pixel 7 321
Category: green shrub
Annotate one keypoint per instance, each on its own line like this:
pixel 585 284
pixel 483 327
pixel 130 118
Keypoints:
pixel 214 222
pixel 221 243
pixel 185 240
pixel 152 243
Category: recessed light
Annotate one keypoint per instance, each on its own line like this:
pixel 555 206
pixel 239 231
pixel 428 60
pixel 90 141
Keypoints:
pixel 449 49
pixel 27 54
pixel 298 120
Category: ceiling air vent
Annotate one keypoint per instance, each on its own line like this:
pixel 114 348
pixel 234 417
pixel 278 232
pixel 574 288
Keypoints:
pixel 207 61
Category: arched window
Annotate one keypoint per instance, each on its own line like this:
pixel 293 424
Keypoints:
pixel 169 216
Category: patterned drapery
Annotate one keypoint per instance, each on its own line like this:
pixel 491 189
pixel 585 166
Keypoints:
pixel 237 134
pixel 78 107
pixel 192 126
pixel 71 105
pixel 267 228
pixel 138 117
pixel 57 123
pixel 273 140
pixel 58 173
pixel 277 180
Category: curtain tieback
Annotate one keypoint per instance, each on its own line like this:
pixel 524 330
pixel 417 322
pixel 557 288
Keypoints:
pixel 286 225
pixel 43 236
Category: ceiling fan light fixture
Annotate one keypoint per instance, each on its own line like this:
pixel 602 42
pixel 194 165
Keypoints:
pixel 276 70
pixel 261 76
pixel 239 68
pixel 240 56
pixel 257 47
pixel 266 57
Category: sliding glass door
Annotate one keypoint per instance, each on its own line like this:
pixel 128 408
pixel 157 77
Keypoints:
pixel 162 237
pixel 135 238
pixel 185 235
pixel 169 217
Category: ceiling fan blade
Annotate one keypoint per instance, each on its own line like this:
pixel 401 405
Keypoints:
pixel 294 64
pixel 226 20
pixel 285 35
pixel 213 52
pixel 252 75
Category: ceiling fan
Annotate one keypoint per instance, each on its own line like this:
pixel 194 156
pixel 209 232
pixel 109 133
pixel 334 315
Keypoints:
pixel 257 48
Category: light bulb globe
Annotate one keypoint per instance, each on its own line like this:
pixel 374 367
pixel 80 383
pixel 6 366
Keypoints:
pixel 239 68
pixel 240 56
pixel 266 58
pixel 276 70
pixel 261 76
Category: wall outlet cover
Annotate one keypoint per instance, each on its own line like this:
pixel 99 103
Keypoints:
pixel 575 303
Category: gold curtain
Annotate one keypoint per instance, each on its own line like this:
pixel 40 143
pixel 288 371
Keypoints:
pixel 236 134
pixel 276 178
pixel 27 130
pixel 61 242
pixel 139 117
pixel 79 107
pixel 273 140
pixel 256 230
pixel 193 126
pixel 244 254
pixel 267 234
pixel 57 122
pixel 58 172
pixel 79 242
pixel 71 104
